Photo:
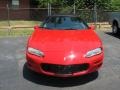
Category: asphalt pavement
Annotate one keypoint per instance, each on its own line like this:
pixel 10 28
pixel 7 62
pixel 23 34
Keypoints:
pixel 15 76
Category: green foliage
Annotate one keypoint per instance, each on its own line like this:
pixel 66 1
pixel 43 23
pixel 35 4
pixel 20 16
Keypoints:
pixel 115 4
pixel 44 3
pixel 89 4
pixel 82 4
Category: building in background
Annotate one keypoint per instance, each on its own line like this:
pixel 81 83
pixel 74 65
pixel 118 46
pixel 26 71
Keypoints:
pixel 14 9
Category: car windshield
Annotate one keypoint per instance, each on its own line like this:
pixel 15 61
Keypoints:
pixel 64 22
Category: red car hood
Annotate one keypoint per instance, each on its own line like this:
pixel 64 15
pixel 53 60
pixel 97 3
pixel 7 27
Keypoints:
pixel 64 40
pixel 60 43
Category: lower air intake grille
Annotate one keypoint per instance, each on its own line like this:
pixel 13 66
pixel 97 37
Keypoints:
pixel 64 69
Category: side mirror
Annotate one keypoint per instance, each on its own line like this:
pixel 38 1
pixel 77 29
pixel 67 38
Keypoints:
pixel 36 27
pixel 92 27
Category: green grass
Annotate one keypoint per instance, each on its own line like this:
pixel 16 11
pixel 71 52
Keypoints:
pixel 17 28
pixel 22 23
pixel 3 23
pixel 19 23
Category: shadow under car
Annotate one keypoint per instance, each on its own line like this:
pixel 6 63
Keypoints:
pixel 57 81
pixel 114 35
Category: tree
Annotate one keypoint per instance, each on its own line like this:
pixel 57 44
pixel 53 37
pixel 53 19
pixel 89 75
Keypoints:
pixel 115 4
pixel 80 4
pixel 44 3
pixel 89 4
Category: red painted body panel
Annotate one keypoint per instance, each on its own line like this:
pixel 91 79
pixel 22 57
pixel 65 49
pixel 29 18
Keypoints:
pixel 59 45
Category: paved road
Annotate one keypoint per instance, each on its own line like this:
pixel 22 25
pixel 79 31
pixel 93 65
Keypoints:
pixel 15 76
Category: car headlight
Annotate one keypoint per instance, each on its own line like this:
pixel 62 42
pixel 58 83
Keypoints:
pixel 93 52
pixel 35 52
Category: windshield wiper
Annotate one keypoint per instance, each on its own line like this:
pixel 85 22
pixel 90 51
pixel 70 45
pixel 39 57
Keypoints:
pixel 70 29
pixel 46 27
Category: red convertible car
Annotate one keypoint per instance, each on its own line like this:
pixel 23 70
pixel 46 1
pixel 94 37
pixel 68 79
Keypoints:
pixel 64 46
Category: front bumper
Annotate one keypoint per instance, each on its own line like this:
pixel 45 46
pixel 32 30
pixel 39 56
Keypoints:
pixel 39 65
